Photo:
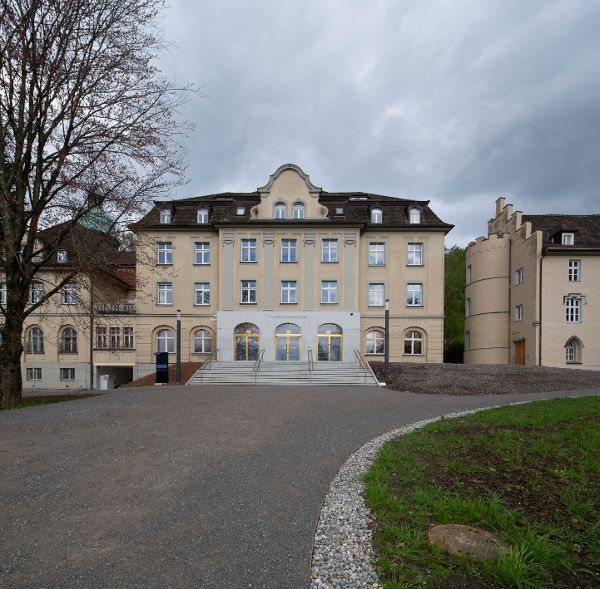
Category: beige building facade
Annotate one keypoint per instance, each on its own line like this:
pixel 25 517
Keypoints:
pixel 533 291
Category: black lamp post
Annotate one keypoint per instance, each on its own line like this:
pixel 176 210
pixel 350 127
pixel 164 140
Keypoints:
pixel 178 351
pixel 386 341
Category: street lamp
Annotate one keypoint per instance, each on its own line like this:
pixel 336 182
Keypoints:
pixel 178 351
pixel 386 341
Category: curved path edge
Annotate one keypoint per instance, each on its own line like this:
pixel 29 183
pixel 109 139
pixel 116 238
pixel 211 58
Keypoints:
pixel 343 555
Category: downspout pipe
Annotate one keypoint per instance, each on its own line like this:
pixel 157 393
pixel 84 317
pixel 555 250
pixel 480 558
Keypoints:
pixel 540 309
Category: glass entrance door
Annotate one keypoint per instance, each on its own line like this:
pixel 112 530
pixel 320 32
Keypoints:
pixel 288 347
pixel 246 346
pixel 329 348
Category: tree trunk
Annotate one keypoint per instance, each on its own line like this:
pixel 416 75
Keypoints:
pixel 11 381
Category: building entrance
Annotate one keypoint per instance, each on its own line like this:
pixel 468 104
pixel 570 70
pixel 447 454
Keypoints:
pixel 287 342
pixel 246 341
pixel 330 343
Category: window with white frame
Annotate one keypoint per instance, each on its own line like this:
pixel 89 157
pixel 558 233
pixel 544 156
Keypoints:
pixel 202 253
pixel 128 338
pixel 165 216
pixel 413 343
pixel 61 256
pixel 414 215
pixel 36 292
pixel 164 293
pixel 115 338
pixel 574 270
pixel 376 294
pixel 573 308
pixel 248 250
pixel 375 342
pixel 329 291
pixel 202 216
pixel 67 374
pixel 240 211
pixel 100 337
pixel 568 238
pixel 165 342
pixel 414 294
pixel 201 293
pixel 68 341
pixel 376 254
pixel 329 251
pixel 518 315
pixel 376 216
pixel 467 307
pixel 415 254
pixel 339 211
pixel 288 291
pixel 164 252
pixel 289 250
pixel 3 293
pixel 35 340
pixel 298 210
pixel 248 292
pixel 280 210
pixel 69 294
pixel 573 351
pixel 34 373
pixel 468 277
pixel 202 342
pixel 518 276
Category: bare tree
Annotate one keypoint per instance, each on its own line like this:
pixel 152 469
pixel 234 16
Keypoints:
pixel 82 106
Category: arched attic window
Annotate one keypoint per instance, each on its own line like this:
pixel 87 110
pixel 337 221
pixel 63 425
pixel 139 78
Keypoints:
pixel 298 210
pixel 280 210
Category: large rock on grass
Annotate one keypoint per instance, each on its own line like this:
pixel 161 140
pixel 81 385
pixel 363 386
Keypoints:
pixel 458 539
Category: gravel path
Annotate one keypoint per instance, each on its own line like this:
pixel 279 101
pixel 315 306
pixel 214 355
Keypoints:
pixel 184 486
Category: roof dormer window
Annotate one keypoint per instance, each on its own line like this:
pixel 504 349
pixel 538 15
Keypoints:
pixel 414 215
pixel 568 238
pixel 280 210
pixel 165 216
pixel 339 210
pixel 61 256
pixel 376 216
pixel 202 216
pixel 298 210
pixel 240 211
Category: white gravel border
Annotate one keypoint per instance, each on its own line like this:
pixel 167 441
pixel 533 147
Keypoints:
pixel 343 556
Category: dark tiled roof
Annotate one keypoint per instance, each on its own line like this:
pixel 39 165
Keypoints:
pixel 585 227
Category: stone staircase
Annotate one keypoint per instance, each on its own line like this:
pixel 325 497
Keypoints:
pixel 284 373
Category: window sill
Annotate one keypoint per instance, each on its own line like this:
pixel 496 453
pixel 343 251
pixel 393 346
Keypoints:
pixel 164 264
pixel 376 265
pixel 68 353
pixel 416 307
pixel 371 354
pixel 375 306
pixel 325 262
pixel 242 303
pixel 201 304
pixel 325 303
pixel 248 261
pixel 412 355
pixel 201 264
pixel 416 266
pixel 201 353
pixel 288 261
pixel 575 363
pixel 164 304
pixel 287 303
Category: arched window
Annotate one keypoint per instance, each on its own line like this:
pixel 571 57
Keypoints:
pixel 413 343
pixel 202 342
pixel 165 342
pixel 202 216
pixel 35 340
pixel 246 328
pixel 375 342
pixel 376 216
pixel 329 328
pixel 298 210
pixel 286 328
pixel 414 215
pixel 165 216
pixel 68 340
pixel 280 210
pixel 573 351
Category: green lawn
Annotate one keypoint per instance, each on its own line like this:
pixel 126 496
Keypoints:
pixel 33 401
pixel 529 473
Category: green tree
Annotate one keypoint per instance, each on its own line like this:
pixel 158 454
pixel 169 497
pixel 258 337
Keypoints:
pixel 454 304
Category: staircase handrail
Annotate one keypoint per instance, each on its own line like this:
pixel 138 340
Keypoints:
pixel 311 364
pixel 257 363
pixel 206 364
pixel 365 366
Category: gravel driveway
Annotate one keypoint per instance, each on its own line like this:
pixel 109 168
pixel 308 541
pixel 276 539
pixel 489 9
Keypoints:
pixel 185 486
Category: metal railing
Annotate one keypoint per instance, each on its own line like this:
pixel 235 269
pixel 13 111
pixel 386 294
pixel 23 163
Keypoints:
pixel 206 365
pixel 366 367
pixel 311 364
pixel 257 364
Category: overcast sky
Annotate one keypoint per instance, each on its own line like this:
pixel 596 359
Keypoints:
pixel 455 101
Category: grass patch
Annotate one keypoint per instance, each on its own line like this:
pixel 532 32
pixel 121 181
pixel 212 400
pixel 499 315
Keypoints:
pixel 529 473
pixel 46 400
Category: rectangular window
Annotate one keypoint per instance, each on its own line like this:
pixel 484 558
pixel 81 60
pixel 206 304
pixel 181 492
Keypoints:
pixel 128 338
pixel 3 293
pixel 165 216
pixel 202 216
pixel 574 270
pixel 101 338
pixel 467 307
pixel 202 253
pixel 61 256
pixel 573 307
pixel 288 291
pixel 165 252
pixel 248 292
pixel 415 254
pixel 34 374
pixel 289 250
pixel 518 276
pixel 67 374
pixel 164 293
pixel 414 295
pixel 376 295
pixel 248 251
pixel 329 251
pixel 518 313
pixel 469 274
pixel 329 291
pixel 568 238
pixel 201 293
pixel 376 254
pixel 36 292
pixel 69 294
pixel 115 338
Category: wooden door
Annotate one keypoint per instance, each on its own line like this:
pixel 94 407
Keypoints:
pixel 520 352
